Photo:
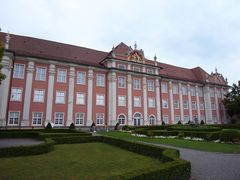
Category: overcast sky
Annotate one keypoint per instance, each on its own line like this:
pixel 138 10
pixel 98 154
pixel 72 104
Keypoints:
pixel 185 33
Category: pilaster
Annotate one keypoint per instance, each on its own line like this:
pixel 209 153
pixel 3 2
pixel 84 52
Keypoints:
pixel 129 82
pixel 216 104
pixel 70 95
pixel 145 105
pixel 171 101
pixel 158 101
pixel 112 120
pixel 89 97
pixel 198 104
pixel 207 104
pixel 181 101
pixel 189 102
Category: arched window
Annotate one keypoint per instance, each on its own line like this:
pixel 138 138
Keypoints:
pixel 151 120
pixel 137 119
pixel 121 119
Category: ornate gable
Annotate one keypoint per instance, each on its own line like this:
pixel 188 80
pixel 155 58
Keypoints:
pixel 136 55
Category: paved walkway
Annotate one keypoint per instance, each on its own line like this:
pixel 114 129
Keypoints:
pixel 12 142
pixel 210 165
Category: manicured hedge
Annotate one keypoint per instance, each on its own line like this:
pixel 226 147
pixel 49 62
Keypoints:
pixel 18 134
pixel 45 147
pixel 77 139
pixel 53 135
pixel 188 128
pixel 230 135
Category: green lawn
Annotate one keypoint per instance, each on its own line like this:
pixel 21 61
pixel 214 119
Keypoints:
pixel 77 161
pixel 199 145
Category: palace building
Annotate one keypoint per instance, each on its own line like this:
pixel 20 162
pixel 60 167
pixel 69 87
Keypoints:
pixel 53 82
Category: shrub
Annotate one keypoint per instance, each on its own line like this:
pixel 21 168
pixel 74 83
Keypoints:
pixel 181 135
pixel 202 122
pixel 49 126
pixel 163 123
pixel 77 139
pixel 230 135
pixel 93 124
pixel 179 122
pixel 116 126
pixel 72 126
pixel 125 127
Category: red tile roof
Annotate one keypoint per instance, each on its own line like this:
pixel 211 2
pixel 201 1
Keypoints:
pixel 28 46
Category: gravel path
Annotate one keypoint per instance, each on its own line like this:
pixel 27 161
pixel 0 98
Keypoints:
pixel 211 165
pixel 12 142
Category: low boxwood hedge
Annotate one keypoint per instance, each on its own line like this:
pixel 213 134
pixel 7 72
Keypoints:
pixel 76 139
pixel 18 134
pixel 230 135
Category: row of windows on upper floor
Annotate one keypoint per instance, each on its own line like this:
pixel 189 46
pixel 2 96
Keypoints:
pixel 100 81
pixel 135 68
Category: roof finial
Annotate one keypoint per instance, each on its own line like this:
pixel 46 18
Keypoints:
pixel 215 69
pixel 113 48
pixel 7 40
pixel 135 45
pixel 155 57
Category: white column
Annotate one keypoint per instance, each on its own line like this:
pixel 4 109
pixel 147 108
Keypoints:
pixel 90 97
pixel 112 120
pixel 198 105
pixel 171 101
pixel 51 74
pixel 181 102
pixel 207 104
pixel 130 120
pixel 216 104
pixel 145 103
pixel 70 95
pixel 158 102
pixel 224 109
pixel 5 87
pixel 189 102
pixel 28 91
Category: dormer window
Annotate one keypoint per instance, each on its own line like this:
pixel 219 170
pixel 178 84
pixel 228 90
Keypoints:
pixel 135 68
pixel 150 71
pixel 121 66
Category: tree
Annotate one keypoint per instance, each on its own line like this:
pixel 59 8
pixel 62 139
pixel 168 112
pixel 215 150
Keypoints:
pixel 232 102
pixel 2 76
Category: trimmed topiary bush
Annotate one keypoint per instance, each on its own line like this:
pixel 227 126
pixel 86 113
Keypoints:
pixel 179 122
pixel 230 135
pixel 116 126
pixel 49 126
pixel 72 126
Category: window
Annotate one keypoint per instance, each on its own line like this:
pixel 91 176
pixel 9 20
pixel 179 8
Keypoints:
pixel 79 118
pixel 175 89
pixel 18 71
pixel 176 118
pixel 150 71
pixel 213 105
pixel 137 101
pixel 13 118
pixel 59 118
pixel 121 100
pixel 165 119
pixel 193 91
pixel 37 118
pixel 164 87
pixel 151 102
pixel 16 94
pixel 165 103
pixel 136 84
pixel 150 85
pixel 99 118
pixel 185 104
pixel 40 73
pixel 176 104
pixel 201 106
pixel 121 66
pixel 215 119
pixel 184 90
pixel 61 75
pixel 80 98
pixel 60 97
pixel 219 93
pixel 100 100
pixel 200 92
pixel 211 92
pixel 151 120
pixel 100 80
pixel 81 76
pixel 38 95
pixel 121 119
pixel 137 69
pixel 194 105
pixel 186 119
pixel 121 82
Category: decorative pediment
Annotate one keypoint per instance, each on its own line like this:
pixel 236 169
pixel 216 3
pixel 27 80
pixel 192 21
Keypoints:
pixel 136 55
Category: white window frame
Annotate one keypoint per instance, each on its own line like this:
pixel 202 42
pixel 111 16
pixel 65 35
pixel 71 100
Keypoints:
pixel 165 103
pixel 151 103
pixel 150 85
pixel 136 84
pixel 19 74
pixel 61 78
pixel 123 66
pixel 80 98
pixel 201 106
pixel 57 97
pixel 150 120
pixel 120 120
pixel 41 76
pixel 98 119
pixel 81 80
pixel 121 102
pixel 100 102
pixel 194 105
pixel 100 80
pixel 165 119
pixel 186 118
pixel 150 71
pixel 35 99
pixel 200 92
pixel 164 87
pixel 184 90
pixel 121 82
pixel 9 117
pixel 193 91
pixel 79 119
pixel 212 93
pixel 137 101
pixel 36 119
pixel 13 96
pixel 177 118
pixel 213 106
pixel 55 118
pixel 136 68
pixel 176 104
pixel 175 89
